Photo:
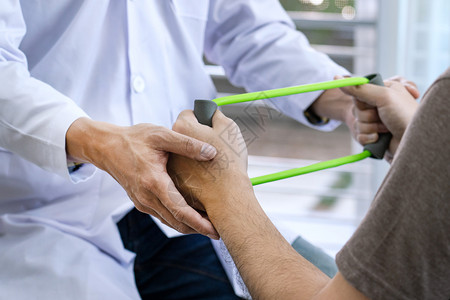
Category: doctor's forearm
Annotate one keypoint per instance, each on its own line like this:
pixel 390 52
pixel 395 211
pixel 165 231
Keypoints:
pixel 87 140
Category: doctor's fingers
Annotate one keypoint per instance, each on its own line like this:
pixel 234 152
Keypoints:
pixel 174 209
pixel 154 213
pixel 187 146
pixel 158 211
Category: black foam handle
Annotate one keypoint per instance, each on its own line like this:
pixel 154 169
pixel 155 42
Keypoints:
pixel 204 111
pixel 378 148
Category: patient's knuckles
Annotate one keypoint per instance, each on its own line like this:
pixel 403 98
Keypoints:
pixel 178 126
pixel 182 124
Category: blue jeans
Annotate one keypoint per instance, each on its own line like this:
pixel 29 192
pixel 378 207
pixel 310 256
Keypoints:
pixel 187 267
pixel 184 267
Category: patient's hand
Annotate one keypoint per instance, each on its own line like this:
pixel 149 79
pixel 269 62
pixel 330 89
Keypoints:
pixel 202 183
pixel 380 109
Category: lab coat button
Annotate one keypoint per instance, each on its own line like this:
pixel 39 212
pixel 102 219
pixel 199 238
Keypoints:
pixel 138 84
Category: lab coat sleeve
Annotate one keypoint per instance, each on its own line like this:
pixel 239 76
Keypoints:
pixel 34 117
pixel 257 44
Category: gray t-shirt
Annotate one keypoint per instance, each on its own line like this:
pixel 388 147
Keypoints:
pixel 402 248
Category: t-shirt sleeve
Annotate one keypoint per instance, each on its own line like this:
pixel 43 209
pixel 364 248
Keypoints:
pixel 402 248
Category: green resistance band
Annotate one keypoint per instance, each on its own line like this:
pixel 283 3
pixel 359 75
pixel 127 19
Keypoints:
pixel 311 168
pixel 205 109
pixel 287 91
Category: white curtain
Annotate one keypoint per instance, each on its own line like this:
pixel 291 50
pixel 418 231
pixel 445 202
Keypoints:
pixel 428 34
pixel 414 39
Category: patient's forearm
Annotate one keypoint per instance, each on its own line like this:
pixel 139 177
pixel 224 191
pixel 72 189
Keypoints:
pixel 270 267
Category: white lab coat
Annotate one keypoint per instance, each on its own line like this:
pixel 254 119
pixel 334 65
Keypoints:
pixel 124 62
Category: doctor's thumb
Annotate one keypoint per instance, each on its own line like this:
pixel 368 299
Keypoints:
pixel 190 147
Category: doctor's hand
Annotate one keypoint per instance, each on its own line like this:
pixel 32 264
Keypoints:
pixel 213 183
pixel 136 156
pixel 380 109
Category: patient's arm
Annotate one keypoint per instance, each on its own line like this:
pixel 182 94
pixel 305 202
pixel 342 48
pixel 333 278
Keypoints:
pixel 380 109
pixel 364 127
pixel 270 267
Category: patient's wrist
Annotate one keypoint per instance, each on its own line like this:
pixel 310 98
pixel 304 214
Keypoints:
pixel 232 194
pixel 233 210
